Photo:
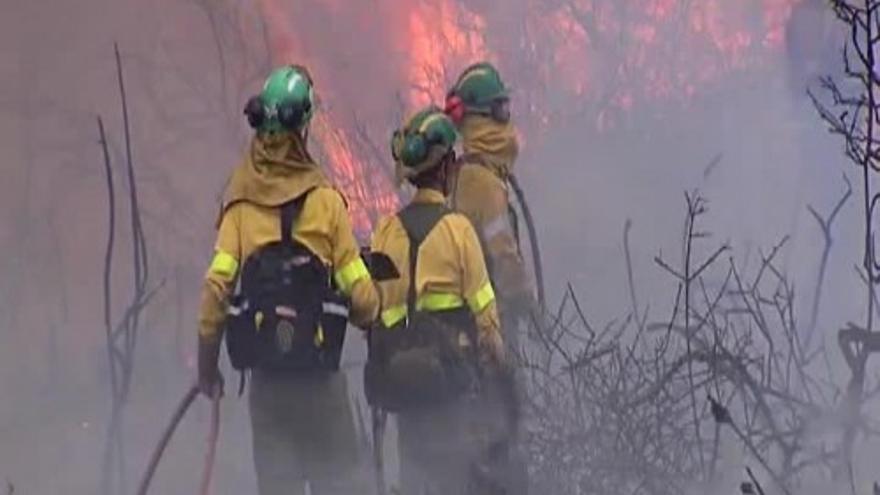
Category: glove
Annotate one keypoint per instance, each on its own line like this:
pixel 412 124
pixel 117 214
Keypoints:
pixel 210 380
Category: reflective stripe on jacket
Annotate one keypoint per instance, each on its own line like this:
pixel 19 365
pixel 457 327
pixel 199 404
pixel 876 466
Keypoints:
pixel 451 270
pixel 482 196
pixel 323 226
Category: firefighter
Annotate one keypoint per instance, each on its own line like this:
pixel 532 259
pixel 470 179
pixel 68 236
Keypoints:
pixel 280 215
pixel 479 105
pixel 438 330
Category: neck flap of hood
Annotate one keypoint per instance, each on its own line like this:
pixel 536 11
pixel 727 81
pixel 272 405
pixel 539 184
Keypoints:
pixel 276 169
pixel 495 142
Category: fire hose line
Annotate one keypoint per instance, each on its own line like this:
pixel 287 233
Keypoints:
pixel 533 238
pixel 210 455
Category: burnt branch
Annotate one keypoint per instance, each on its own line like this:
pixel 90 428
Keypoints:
pixel 825 224
pixel 616 411
pixel 855 120
pixel 630 278
pixel 122 338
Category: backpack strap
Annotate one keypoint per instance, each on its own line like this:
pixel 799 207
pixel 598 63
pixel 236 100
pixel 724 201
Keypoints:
pixel 290 214
pixel 418 220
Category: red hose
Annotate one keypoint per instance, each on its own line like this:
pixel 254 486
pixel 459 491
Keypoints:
pixel 182 407
pixel 212 447
pixel 181 410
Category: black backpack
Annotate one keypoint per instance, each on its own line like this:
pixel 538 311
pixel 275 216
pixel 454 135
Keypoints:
pixel 286 314
pixel 420 361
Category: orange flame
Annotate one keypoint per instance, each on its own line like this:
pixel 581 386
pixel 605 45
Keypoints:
pixel 607 55
pixel 440 35
pixel 651 50
pixel 350 175
pixel 367 194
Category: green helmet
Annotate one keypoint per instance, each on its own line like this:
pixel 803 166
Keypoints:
pixel 424 140
pixel 479 87
pixel 286 102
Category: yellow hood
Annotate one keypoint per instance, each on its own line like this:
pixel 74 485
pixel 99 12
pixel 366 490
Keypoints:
pixel 495 142
pixel 276 169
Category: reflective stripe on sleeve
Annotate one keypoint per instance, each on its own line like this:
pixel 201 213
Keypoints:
pixel 435 301
pixel 432 301
pixel 331 308
pixel 482 298
pixel 393 315
pixel 348 275
pixel 224 265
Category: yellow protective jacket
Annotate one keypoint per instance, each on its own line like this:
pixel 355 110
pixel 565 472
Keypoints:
pixel 274 172
pixel 451 271
pixel 481 193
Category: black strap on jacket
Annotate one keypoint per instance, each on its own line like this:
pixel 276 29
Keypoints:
pixel 418 220
pixel 290 212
